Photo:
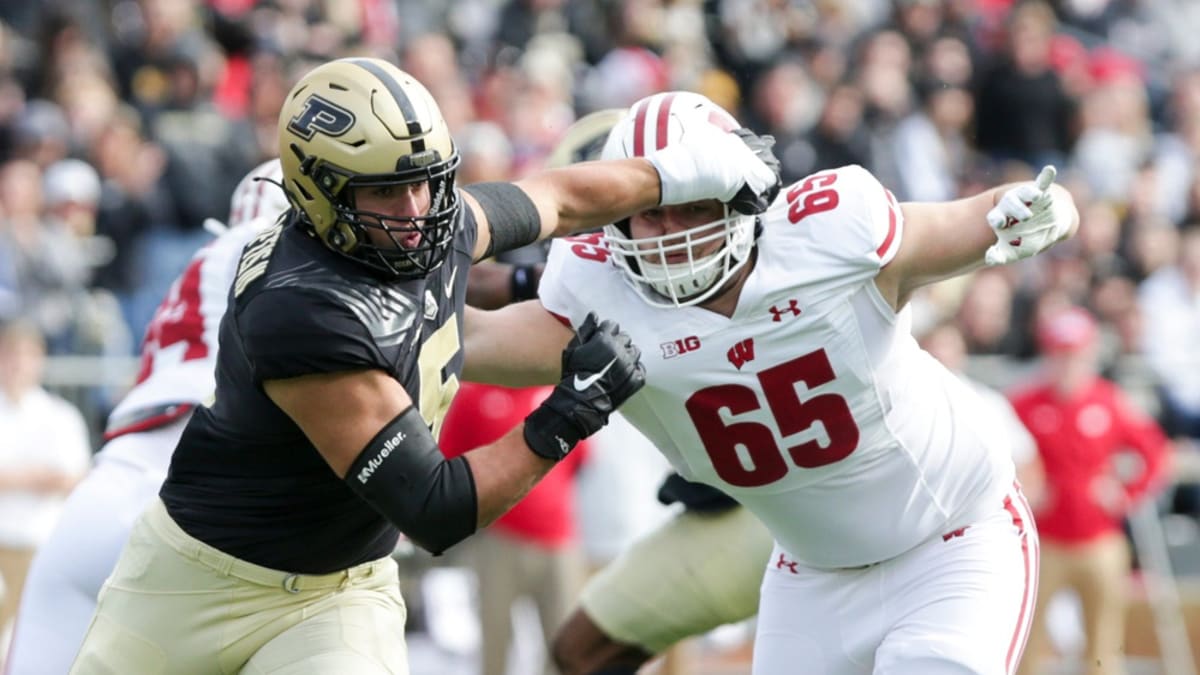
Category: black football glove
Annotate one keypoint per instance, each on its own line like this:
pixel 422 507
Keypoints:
pixel 747 201
pixel 601 368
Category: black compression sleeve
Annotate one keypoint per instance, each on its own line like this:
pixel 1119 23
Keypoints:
pixel 403 475
pixel 513 220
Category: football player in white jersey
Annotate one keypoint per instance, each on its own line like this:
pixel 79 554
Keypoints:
pixel 780 368
pixel 176 374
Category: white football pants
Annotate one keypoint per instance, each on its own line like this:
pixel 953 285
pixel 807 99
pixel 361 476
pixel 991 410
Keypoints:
pixel 959 604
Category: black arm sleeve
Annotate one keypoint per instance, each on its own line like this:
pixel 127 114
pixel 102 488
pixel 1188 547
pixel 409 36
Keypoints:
pixel 403 475
pixel 513 220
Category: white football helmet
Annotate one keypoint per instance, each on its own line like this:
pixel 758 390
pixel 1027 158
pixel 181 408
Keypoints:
pixel 258 194
pixel 652 124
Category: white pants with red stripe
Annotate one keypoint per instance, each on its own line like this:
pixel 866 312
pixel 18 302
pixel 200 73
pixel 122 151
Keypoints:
pixel 958 604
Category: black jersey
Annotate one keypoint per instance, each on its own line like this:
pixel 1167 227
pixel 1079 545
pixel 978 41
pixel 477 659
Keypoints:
pixel 244 477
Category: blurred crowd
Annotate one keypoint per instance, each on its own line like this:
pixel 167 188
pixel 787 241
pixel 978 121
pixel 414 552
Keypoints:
pixel 125 124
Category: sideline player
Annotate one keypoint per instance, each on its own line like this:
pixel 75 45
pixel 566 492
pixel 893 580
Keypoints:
pixel 903 544
pixel 179 354
pixel 340 352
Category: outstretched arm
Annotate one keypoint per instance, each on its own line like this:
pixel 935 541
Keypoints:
pixel 516 346
pixel 946 239
pixel 384 451
pixel 715 164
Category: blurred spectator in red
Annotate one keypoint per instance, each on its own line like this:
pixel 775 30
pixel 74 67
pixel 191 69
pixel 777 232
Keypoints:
pixel 1088 436
pixel 533 550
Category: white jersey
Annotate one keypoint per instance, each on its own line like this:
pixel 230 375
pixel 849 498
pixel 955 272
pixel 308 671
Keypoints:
pixel 179 350
pixel 813 405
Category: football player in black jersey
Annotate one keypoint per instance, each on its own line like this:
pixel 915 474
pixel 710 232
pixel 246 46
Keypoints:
pixel 339 354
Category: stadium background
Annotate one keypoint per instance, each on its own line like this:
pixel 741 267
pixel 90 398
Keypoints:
pixel 125 124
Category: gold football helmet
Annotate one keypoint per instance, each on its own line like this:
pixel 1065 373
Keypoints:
pixel 363 122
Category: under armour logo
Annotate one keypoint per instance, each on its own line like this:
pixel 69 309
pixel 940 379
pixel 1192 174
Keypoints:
pixel 792 307
pixel 741 353
pixel 784 563
pixel 954 533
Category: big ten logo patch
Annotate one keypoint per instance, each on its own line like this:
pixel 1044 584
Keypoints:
pixel 680 347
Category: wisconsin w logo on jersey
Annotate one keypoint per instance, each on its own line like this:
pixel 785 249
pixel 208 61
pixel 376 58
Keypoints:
pixel 320 115
pixel 741 353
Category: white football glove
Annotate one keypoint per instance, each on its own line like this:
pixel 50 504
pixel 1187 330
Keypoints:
pixel 1027 220
pixel 711 164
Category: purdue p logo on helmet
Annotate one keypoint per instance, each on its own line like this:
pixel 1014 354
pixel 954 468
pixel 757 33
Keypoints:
pixel 362 122
pixel 323 116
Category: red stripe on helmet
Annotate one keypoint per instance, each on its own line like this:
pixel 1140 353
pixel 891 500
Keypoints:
pixel 722 120
pixel 664 117
pixel 639 129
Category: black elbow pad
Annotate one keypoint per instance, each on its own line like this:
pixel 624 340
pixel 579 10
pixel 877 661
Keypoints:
pixel 404 476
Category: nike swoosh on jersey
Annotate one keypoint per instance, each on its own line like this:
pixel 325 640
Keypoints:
pixel 581 385
pixel 450 283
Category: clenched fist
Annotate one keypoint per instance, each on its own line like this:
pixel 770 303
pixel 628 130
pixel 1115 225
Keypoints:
pixel 601 367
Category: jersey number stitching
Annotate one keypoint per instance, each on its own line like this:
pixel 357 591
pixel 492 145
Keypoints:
pixel 767 463
pixel 814 200
pixel 436 393
pixel 177 319
pixel 590 247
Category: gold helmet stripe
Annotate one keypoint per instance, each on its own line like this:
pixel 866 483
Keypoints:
pixel 401 98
